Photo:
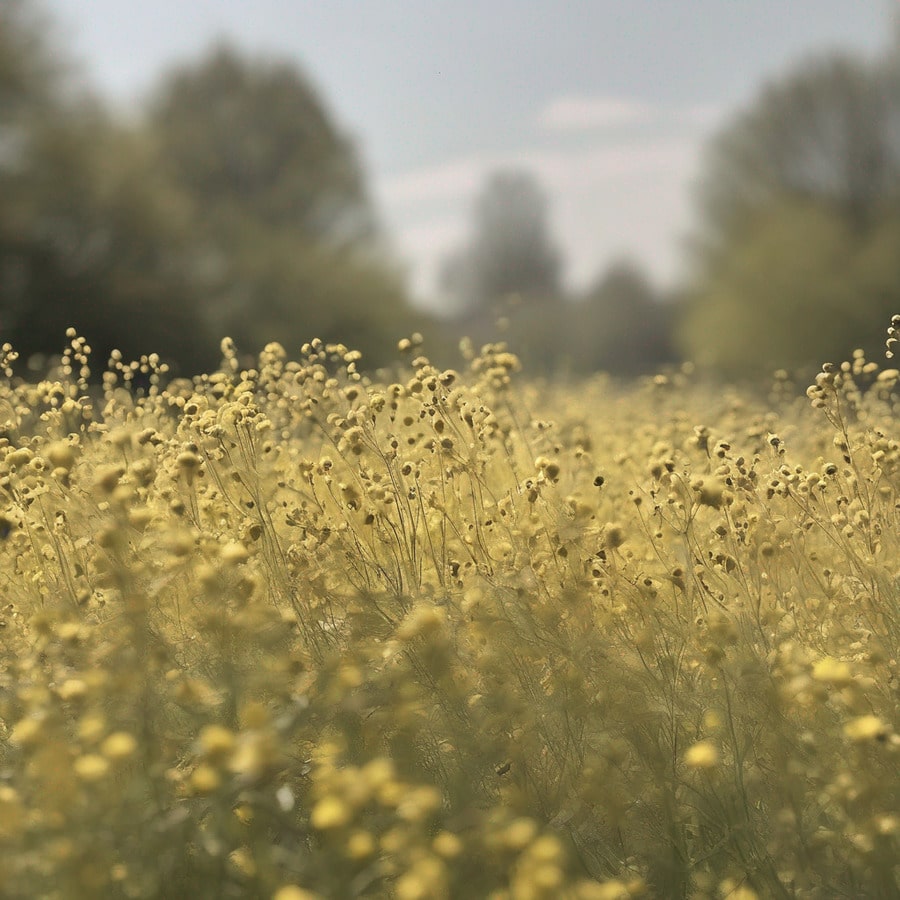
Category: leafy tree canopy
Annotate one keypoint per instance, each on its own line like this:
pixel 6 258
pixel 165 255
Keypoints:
pixel 234 205
pixel 251 137
pixel 800 288
pixel 822 132
pixel 288 242
pixel 798 204
pixel 90 235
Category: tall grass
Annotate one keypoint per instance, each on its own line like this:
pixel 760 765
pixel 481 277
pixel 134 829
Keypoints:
pixel 297 632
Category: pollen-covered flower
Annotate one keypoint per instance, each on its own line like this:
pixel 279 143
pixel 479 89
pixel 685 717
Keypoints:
pixel 702 755
pixel 833 671
pixel 331 812
pixel 866 728
pixel 119 745
pixel 293 892
pixel 91 767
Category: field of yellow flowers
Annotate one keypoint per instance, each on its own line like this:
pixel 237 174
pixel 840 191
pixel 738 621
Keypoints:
pixel 293 632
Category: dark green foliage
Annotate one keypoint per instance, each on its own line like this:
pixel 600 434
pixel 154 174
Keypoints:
pixel 235 206
pixel 798 208
pixel 251 138
pixel 290 240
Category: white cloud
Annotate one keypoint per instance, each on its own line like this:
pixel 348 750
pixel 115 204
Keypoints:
pixel 583 168
pixel 588 113
pixel 702 114
pixel 460 179
pixel 452 179
pixel 571 114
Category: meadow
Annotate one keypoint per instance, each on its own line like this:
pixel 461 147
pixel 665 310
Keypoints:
pixel 290 631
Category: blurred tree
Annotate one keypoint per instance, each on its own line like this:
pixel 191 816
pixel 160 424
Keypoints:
pixel 622 324
pixel 289 243
pixel 280 287
pixel 781 296
pixel 30 66
pixel 107 249
pixel 510 250
pixel 820 132
pixel 90 235
pixel 99 242
pixel 796 192
pixel 820 289
pixel 30 99
pixel 252 138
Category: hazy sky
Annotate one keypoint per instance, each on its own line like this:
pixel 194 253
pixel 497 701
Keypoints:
pixel 607 101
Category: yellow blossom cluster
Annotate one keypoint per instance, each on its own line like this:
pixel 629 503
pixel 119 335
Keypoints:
pixel 290 630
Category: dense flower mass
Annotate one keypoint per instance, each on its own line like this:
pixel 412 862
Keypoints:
pixel 297 632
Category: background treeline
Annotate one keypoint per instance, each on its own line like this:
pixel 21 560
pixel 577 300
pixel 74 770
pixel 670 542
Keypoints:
pixel 230 202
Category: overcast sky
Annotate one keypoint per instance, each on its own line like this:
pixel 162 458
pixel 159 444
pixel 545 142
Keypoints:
pixel 606 101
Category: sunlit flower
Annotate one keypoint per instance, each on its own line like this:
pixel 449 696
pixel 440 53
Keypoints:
pixel 702 755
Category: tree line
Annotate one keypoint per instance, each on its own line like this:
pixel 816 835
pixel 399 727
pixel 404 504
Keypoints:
pixel 230 202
